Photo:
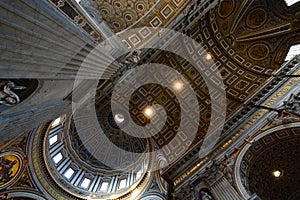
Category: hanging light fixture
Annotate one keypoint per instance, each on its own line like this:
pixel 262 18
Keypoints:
pixel 149 112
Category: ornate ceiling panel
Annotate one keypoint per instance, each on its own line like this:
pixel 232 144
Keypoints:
pixel 120 15
pixel 248 41
pixel 243 71
pixel 241 83
pixel 255 33
pixel 243 40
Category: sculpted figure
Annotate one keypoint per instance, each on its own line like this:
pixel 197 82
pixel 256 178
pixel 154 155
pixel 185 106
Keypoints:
pixel 7 96
pixel 205 196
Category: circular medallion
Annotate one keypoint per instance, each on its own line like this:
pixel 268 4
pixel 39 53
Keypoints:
pixel 225 8
pixel 11 165
pixel 258 51
pixel 140 6
pixel 256 18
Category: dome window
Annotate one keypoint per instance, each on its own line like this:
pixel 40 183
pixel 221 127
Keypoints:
pixel 291 2
pixel 85 183
pixel 58 157
pixel 53 139
pixel 68 174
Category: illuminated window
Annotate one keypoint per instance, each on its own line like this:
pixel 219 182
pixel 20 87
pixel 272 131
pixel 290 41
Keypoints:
pixel 294 50
pixel 56 122
pixel 104 187
pixel 68 174
pixel 53 140
pixel 122 184
pixel 291 2
pixel 85 183
pixel 57 158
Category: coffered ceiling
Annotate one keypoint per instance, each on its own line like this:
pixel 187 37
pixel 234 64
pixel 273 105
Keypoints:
pixel 121 15
pixel 247 42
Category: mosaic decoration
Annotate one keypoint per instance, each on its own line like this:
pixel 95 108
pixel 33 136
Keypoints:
pixel 24 181
pixel 11 165
pixel 15 174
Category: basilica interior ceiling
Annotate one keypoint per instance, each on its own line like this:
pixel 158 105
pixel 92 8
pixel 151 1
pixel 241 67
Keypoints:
pixel 247 42
pixel 243 42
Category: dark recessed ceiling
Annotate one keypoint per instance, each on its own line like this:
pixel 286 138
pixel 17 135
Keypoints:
pixel 280 150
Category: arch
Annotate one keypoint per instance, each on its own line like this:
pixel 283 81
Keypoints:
pixel 237 169
pixel 24 195
pixel 152 197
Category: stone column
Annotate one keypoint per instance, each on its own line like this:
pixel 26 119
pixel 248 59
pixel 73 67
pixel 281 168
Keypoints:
pixel 219 186
pixel 223 190
pixel 38 42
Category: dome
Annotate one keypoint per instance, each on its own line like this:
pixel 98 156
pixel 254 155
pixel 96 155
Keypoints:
pixel 77 171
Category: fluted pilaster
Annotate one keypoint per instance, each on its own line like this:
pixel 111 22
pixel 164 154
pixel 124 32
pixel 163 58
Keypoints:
pixel 39 42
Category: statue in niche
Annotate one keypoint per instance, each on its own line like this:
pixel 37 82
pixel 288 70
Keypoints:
pixel 7 96
pixel 194 193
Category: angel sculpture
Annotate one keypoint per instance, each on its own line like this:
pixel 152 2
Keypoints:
pixel 7 96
